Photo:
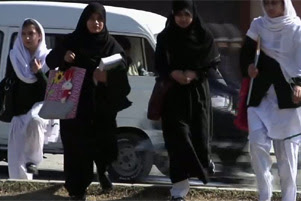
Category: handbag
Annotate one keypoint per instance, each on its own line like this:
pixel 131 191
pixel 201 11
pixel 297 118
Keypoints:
pixel 6 98
pixel 156 101
pixel 62 93
pixel 241 120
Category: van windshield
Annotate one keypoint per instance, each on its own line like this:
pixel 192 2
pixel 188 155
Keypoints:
pixel 139 53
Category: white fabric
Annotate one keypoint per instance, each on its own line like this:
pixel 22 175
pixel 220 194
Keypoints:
pixel 26 141
pixel 286 152
pixel 180 189
pixel 279 123
pixel 280 39
pixel 21 58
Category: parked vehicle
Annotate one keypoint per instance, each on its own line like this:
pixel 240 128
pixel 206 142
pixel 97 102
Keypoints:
pixel 140 140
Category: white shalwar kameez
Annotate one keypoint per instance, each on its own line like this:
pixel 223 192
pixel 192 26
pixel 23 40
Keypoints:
pixel 267 124
pixel 28 132
pixel 27 136
pixel 280 39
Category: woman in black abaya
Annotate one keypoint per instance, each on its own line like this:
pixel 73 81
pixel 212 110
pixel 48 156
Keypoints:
pixel 185 52
pixel 90 137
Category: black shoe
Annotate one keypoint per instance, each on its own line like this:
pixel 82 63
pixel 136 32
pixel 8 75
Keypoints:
pixel 105 183
pixel 32 168
pixel 177 199
pixel 78 197
pixel 211 168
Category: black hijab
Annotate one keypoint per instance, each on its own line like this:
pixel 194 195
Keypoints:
pixel 102 44
pixel 192 47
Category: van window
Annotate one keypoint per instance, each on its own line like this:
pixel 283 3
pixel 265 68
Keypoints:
pixel 149 57
pixel 1 42
pixel 139 55
pixel 139 52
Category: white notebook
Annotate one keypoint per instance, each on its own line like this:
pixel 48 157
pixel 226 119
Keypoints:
pixel 108 63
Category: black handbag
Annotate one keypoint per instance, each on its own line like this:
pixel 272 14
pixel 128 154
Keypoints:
pixel 6 98
pixel 155 104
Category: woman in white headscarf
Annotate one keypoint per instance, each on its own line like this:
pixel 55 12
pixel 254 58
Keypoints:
pixel 28 132
pixel 274 106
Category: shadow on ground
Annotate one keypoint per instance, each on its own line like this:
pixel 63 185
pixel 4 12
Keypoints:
pixel 42 194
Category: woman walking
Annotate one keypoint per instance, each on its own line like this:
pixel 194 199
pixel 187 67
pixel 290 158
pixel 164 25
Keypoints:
pixel 90 137
pixel 185 52
pixel 28 131
pixel 274 106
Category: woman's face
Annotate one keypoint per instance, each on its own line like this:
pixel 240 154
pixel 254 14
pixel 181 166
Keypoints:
pixel 183 19
pixel 95 23
pixel 31 37
pixel 274 8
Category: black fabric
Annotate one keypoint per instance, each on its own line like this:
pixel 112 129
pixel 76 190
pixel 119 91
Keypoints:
pixel 26 95
pixel 187 130
pixel 190 48
pixel 269 72
pixel 6 98
pixel 92 132
pixel 178 6
pixel 187 112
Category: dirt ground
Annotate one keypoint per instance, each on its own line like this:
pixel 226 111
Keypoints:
pixel 15 190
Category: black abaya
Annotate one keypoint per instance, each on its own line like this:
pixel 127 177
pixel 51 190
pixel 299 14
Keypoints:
pixel 187 113
pixel 90 137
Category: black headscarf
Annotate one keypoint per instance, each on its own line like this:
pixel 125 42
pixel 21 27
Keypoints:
pixel 102 44
pixel 192 47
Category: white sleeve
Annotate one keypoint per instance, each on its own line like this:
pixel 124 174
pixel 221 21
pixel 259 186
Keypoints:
pixel 253 30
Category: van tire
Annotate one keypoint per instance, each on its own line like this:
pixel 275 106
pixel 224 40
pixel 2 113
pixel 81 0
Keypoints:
pixel 134 162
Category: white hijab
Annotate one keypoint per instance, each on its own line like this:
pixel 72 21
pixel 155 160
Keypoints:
pixel 280 39
pixel 21 58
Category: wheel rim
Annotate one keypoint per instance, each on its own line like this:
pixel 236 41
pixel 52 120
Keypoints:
pixel 129 161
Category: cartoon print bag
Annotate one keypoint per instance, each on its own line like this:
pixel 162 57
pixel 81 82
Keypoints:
pixel 62 93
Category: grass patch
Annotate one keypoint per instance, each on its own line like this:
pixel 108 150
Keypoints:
pixel 24 190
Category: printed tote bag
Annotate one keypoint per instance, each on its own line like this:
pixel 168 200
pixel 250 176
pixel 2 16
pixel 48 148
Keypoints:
pixel 62 93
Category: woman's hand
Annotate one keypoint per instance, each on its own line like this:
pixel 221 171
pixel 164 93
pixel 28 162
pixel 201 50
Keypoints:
pixel 100 76
pixel 69 56
pixel 36 66
pixel 191 75
pixel 252 71
pixel 297 94
pixel 180 77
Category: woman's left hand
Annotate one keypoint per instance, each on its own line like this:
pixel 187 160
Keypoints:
pixel 36 66
pixel 99 75
pixel 191 75
pixel 297 94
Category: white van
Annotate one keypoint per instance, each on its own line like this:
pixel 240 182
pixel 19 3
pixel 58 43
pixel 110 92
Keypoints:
pixel 140 140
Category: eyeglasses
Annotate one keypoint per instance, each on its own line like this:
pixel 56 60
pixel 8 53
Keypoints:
pixel 272 3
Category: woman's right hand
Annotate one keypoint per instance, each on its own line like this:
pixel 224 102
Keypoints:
pixel 180 77
pixel 69 56
pixel 252 71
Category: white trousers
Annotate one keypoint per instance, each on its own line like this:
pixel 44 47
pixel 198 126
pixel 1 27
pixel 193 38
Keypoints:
pixel 286 153
pixel 180 189
pixel 27 136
